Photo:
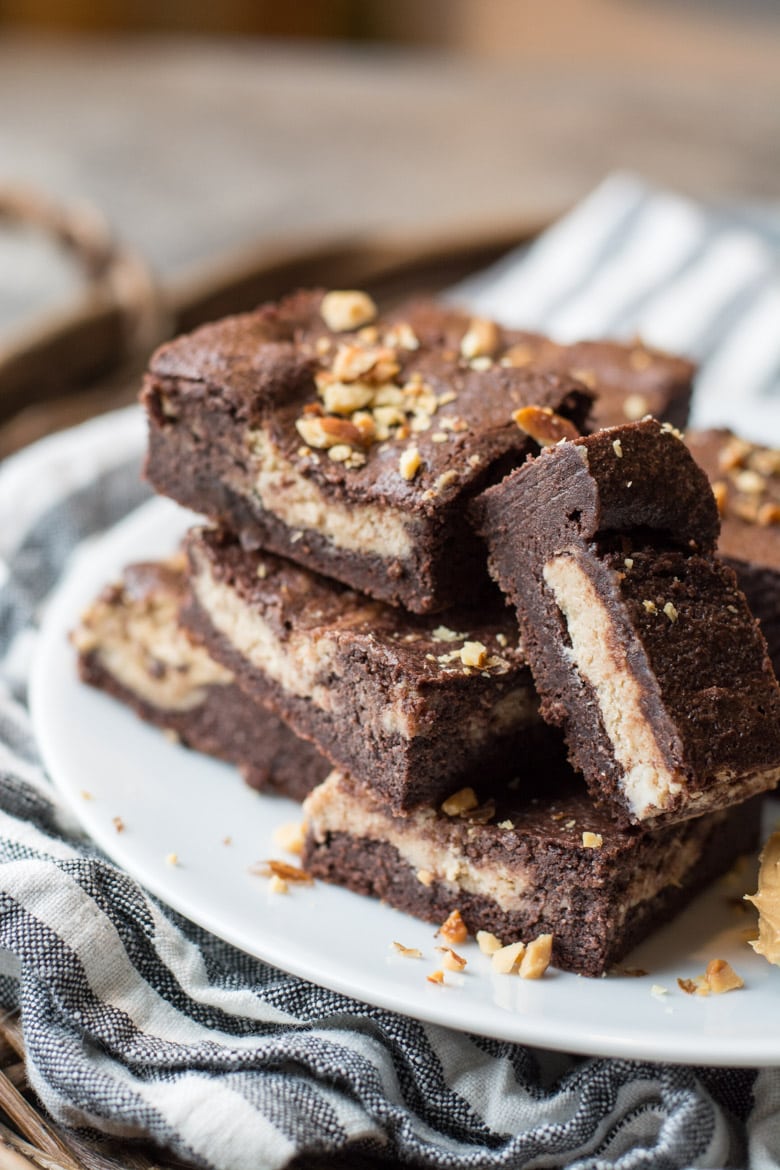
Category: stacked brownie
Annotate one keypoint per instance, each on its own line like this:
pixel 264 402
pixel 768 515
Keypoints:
pixel 422 569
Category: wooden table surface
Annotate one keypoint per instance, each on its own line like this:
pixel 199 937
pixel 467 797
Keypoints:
pixel 195 149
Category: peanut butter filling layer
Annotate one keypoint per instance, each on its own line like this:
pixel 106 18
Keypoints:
pixel 139 642
pixel 647 782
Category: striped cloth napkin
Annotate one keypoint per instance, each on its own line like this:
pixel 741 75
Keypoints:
pixel 139 1024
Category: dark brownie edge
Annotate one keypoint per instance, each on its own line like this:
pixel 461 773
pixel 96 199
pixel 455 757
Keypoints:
pixel 586 943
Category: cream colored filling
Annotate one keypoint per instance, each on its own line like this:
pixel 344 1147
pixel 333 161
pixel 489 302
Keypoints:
pixel 647 783
pixel 767 902
pixel 300 663
pixel 141 645
pixel 331 808
pixel 299 503
pixel 296 666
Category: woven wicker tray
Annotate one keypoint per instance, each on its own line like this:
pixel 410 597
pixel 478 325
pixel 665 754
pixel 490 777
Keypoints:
pixel 89 359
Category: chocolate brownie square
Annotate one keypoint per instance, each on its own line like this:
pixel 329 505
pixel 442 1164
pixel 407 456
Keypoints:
pixel 131 646
pixel 555 865
pixel 642 645
pixel 413 705
pixel 346 442
pixel 745 479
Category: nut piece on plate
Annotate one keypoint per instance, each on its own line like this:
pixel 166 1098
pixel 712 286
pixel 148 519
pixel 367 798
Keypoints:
pixel 767 902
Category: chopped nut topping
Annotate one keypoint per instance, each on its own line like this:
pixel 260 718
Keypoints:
pixel 536 958
pixel 444 634
pixel 518 355
pixel 592 840
pixel 617 447
pixel 629 562
pixel 482 814
pixel 345 397
pixel 639 359
pixel 481 363
pixel 488 943
pixel 345 310
pixel 650 606
pixel 454 929
pixel 749 482
pixel 460 802
pixel 733 454
pixel 376 365
pixel 290 836
pixel 544 426
pixel 425 877
pixel 451 961
pixel 409 463
pixel 768 514
pixel 436 977
pixel 408 952
pixel 327 432
pixel 290 873
pixel 402 336
pixel 446 479
pixel 505 959
pixel 721 493
pixel 474 654
pixel 341 453
pixel 480 340
pixel 439 437
pixel 278 885
pixel 635 406
pixel 671 612
pixel 506 825
pixel 668 429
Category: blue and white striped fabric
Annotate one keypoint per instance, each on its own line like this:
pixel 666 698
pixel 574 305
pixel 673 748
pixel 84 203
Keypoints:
pixel 139 1024
pixel 633 260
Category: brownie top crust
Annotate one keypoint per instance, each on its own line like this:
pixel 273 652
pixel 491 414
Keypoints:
pixel 414 410
pixel 630 380
pixel 628 478
pixel 745 480
pixel 296 602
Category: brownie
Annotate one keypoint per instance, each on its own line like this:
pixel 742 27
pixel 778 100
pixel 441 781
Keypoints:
pixel 746 481
pixel 130 645
pixel 629 380
pixel 642 645
pixel 347 443
pixel 556 864
pixel 411 704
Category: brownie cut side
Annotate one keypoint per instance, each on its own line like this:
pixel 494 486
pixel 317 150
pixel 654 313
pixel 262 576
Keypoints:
pixel 745 478
pixel 556 864
pixel 413 705
pixel 349 446
pixel 641 643
pixel 131 646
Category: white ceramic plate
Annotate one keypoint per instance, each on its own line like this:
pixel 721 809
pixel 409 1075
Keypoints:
pixel 174 801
